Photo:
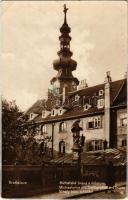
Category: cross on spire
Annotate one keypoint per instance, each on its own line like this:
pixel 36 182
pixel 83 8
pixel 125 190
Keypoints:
pixel 65 11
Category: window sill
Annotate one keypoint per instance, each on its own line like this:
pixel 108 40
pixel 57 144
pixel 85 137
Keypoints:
pixel 122 126
pixel 62 131
pixel 94 128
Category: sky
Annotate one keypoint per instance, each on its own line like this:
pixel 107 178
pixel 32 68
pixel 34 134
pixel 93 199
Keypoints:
pixel 30 31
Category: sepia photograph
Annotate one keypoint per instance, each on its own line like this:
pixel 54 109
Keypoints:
pixel 64 99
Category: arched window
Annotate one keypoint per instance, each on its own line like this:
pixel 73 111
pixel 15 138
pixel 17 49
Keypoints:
pixel 62 147
pixel 62 127
pixel 44 128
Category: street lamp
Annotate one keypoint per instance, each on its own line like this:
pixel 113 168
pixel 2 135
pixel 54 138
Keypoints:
pixel 53 124
pixel 105 143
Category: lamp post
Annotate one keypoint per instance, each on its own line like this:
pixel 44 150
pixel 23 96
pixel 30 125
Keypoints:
pixel 53 124
pixel 105 143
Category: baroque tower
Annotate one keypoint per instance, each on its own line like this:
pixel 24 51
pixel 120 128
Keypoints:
pixel 64 80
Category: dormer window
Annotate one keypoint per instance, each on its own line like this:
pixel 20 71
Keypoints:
pixel 77 97
pixel 57 102
pixel 43 113
pixel 32 116
pixel 101 92
pixel 100 103
pixel 54 112
pixel 86 106
pixel 60 112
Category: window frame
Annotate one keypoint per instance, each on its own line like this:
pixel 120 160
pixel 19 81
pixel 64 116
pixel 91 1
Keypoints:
pixel 124 142
pixel 101 92
pixel 122 118
pixel 100 103
pixel 62 127
pixel 53 113
pixel 96 123
pixel 95 145
pixel 44 128
pixel 61 147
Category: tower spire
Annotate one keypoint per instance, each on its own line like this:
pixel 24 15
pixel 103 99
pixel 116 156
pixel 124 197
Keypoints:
pixel 65 11
pixel 65 64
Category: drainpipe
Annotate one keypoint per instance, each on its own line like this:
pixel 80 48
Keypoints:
pixel 53 124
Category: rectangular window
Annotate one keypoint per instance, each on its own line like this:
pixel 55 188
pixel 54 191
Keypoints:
pixel 94 145
pixel 94 123
pixel 124 143
pixel 123 119
pixel 90 125
pixel 100 103
pixel 98 145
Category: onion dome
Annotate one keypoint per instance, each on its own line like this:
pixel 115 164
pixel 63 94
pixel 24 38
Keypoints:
pixel 65 63
pixel 65 28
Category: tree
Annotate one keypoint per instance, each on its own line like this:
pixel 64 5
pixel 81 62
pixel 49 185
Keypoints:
pixel 10 123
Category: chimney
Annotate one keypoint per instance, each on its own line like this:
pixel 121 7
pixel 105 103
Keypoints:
pixel 63 94
pixel 85 83
pixel 108 80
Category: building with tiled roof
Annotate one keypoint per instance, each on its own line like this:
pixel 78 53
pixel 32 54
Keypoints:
pixel 102 109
